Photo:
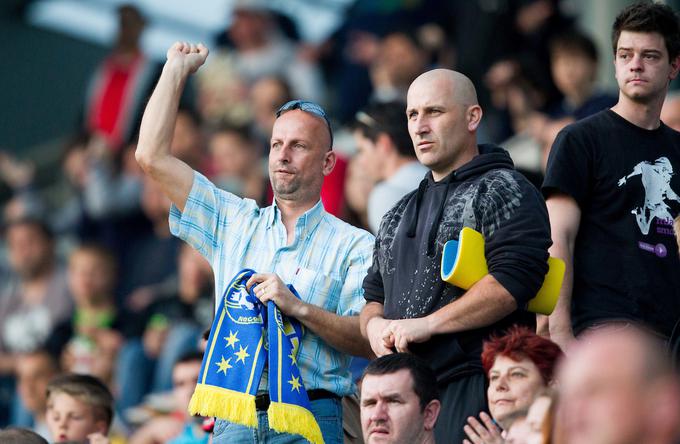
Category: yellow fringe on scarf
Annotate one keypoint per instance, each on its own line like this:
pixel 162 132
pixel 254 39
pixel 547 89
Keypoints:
pixel 282 416
pixel 222 403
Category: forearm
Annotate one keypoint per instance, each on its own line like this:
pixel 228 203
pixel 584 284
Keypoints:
pixel 155 136
pixel 158 122
pixel 340 332
pixel 483 304
pixel 560 318
pixel 371 310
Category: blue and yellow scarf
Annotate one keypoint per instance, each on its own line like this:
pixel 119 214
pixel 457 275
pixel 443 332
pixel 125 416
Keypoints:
pixel 245 337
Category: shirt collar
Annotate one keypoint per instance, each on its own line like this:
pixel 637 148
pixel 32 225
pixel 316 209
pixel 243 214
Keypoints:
pixel 306 223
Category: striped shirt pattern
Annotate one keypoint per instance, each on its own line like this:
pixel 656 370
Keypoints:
pixel 326 263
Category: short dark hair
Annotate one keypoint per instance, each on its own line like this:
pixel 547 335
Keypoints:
pixel 424 379
pixel 386 118
pixel 87 389
pixel 17 435
pixel 648 16
pixel 574 42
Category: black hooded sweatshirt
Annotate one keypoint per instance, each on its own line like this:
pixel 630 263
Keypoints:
pixel 488 195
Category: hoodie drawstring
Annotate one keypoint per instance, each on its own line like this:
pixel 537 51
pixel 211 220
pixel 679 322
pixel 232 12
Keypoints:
pixel 432 235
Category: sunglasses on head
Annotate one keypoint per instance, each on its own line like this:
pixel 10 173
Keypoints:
pixel 308 107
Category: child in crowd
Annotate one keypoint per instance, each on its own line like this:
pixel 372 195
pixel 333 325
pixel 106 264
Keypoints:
pixel 92 338
pixel 79 409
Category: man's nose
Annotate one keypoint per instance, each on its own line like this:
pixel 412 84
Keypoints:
pixel 379 412
pixel 636 63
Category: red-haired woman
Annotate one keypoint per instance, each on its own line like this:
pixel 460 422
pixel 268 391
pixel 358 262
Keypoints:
pixel 519 365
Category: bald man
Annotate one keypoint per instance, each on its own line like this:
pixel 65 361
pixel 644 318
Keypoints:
pixel 409 307
pixel 294 241
pixel 617 386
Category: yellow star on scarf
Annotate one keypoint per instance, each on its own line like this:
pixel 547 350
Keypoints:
pixel 295 382
pixel 232 339
pixel 293 359
pixel 223 365
pixel 242 354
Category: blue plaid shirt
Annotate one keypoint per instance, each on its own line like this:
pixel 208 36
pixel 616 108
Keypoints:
pixel 326 263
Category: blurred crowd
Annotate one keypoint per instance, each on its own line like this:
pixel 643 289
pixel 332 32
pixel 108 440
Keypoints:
pixel 93 282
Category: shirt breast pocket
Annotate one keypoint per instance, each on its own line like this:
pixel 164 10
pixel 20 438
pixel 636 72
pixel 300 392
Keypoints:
pixel 318 289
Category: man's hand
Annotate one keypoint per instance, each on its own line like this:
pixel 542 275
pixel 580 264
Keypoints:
pixel 270 287
pixel 374 330
pixel 400 333
pixel 188 57
pixel 485 432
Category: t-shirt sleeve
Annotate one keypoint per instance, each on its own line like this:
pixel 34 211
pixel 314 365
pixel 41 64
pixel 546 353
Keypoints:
pixel 359 261
pixel 208 211
pixel 569 166
pixel 374 290
pixel 517 249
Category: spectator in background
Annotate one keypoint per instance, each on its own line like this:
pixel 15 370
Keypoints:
pixel 611 191
pixel 399 400
pixel 238 165
pixel 266 96
pixel 34 370
pixel 397 61
pixel 151 260
pixel 386 155
pixel 119 87
pixel 79 408
pixel 177 427
pixel 573 63
pixel 90 341
pixel 259 49
pixel 618 387
pixel 519 365
pixel 169 327
pixel 38 298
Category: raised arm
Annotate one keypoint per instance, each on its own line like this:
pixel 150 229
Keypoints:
pixel 565 218
pixel 158 123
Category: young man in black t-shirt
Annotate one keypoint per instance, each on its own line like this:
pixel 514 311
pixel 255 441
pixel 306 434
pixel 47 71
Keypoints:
pixel 611 191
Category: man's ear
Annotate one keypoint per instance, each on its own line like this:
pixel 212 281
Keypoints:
pixel 473 116
pixel 383 144
pixel 675 67
pixel 329 162
pixel 430 414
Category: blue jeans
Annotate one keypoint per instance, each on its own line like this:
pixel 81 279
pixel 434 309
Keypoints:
pixel 328 413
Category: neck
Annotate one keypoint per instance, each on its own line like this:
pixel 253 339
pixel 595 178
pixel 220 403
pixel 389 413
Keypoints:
pixel 291 210
pixel 427 438
pixel 644 115
pixel 466 156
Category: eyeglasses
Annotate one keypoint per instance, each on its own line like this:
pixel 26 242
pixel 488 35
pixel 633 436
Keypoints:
pixel 309 107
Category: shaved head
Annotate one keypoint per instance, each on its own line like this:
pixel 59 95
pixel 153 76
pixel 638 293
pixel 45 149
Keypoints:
pixel 458 85
pixel 610 384
pixel 443 116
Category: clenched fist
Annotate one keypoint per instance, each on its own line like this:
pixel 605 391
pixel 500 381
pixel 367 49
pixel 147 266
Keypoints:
pixel 188 57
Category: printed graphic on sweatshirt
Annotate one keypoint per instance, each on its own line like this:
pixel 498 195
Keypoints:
pixel 483 205
pixel 656 180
